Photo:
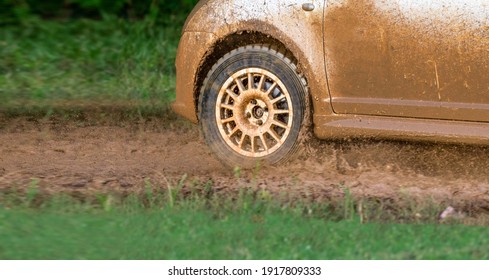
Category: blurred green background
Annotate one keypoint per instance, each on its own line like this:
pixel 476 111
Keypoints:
pixel 21 11
pixel 65 53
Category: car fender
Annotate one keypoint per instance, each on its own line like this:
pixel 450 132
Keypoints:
pixel 300 31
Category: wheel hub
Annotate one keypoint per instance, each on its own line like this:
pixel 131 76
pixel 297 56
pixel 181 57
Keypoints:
pixel 258 112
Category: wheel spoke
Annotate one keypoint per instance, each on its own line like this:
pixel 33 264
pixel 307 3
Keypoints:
pixel 250 81
pixel 227 107
pixel 241 141
pixel 232 94
pixel 262 81
pixel 264 143
pixel 228 120
pixel 279 124
pixel 281 112
pixel 236 129
pixel 272 87
pixel 253 144
pixel 278 99
pixel 240 85
pixel 275 135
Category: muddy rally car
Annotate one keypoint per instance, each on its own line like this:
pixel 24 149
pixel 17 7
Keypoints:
pixel 258 76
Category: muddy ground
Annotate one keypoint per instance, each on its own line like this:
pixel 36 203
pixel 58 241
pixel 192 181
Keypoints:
pixel 85 155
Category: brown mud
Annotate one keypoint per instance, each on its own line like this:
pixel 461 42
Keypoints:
pixel 116 155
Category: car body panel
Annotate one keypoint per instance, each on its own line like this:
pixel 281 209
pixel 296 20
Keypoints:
pixel 193 47
pixel 345 126
pixel 409 58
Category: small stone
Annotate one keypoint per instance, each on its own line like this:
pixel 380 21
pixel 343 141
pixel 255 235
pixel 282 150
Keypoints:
pixel 451 213
pixel 125 184
pixel 77 184
pixel 354 184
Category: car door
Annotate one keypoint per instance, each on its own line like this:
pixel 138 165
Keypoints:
pixel 409 58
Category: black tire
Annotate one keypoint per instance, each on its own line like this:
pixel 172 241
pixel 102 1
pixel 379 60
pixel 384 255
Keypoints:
pixel 242 122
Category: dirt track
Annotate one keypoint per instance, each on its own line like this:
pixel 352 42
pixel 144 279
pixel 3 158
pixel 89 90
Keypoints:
pixel 118 156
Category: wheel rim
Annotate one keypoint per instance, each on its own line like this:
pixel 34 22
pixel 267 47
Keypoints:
pixel 254 118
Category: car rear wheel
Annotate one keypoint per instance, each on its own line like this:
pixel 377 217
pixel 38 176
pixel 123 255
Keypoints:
pixel 252 107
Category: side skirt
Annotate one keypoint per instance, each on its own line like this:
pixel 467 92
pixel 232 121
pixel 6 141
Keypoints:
pixel 351 126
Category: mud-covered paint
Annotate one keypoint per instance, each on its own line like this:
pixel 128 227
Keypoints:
pixel 411 58
pixel 193 47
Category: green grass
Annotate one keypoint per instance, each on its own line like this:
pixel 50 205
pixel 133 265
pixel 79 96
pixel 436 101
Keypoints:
pixel 209 226
pixel 51 63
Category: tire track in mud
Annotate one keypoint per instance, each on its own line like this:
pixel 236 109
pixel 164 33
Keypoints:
pixel 69 156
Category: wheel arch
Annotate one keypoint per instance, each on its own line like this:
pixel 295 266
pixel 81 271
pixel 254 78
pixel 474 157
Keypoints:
pixel 284 45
